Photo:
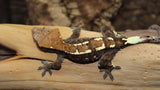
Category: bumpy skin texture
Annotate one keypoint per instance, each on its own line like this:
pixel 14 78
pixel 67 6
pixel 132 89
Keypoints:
pixel 85 50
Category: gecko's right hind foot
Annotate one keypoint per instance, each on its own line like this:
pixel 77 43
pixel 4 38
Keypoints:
pixel 107 72
pixel 154 27
pixel 47 68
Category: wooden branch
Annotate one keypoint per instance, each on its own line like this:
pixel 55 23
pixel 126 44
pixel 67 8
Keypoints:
pixel 140 64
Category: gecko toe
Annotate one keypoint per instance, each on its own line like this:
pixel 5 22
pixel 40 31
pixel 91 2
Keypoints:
pixel 40 68
pixel 108 73
pixel 111 77
pixel 117 67
pixel 105 76
pixel 50 72
pixel 43 73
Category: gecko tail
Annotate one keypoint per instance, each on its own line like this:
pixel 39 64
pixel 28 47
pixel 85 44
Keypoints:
pixel 145 39
pixel 142 39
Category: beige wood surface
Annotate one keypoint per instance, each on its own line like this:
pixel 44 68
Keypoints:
pixel 140 64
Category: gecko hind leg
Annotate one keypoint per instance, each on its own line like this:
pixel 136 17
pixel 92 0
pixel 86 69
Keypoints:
pixel 108 32
pixel 76 33
pixel 155 27
pixel 105 63
pixel 47 67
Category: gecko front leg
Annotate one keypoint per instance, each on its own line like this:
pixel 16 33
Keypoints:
pixel 108 32
pixel 57 64
pixel 47 67
pixel 105 63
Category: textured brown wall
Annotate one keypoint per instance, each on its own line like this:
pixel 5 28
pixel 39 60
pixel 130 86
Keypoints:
pixel 132 14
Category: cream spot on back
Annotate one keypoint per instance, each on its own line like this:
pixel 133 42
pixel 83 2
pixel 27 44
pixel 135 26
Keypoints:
pixel 83 43
pixel 101 47
pixel 86 42
pixel 78 53
pixel 78 44
pixel 110 38
pixel 98 39
pixel 112 46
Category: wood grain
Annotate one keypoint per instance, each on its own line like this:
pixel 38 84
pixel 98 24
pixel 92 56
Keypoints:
pixel 140 64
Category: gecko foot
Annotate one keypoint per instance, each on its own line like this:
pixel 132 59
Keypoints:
pixel 155 27
pixel 108 72
pixel 47 68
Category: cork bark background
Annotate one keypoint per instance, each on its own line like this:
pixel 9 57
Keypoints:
pixel 122 14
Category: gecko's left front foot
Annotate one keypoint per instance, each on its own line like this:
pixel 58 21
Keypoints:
pixel 107 71
pixel 56 65
pixel 47 67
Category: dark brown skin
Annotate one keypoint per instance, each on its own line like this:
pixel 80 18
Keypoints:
pixel 45 41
